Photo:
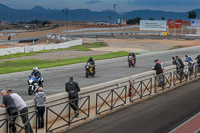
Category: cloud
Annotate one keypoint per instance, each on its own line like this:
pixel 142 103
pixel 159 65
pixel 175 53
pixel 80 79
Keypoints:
pixel 155 3
pixel 93 1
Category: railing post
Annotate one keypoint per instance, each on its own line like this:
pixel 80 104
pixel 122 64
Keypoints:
pixel 69 119
pixel 112 99
pixel 96 102
pixel 46 119
pixel 36 121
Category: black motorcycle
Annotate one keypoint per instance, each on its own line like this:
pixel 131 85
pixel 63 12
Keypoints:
pixel 90 70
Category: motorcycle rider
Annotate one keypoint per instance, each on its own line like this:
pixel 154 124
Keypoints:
pixel 133 55
pixel 37 75
pixel 91 61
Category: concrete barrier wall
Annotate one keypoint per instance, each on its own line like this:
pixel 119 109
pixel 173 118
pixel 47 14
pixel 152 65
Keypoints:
pixel 100 29
pixel 92 91
pixel 33 48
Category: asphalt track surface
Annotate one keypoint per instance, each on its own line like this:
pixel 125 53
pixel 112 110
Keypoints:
pixel 160 114
pixel 106 70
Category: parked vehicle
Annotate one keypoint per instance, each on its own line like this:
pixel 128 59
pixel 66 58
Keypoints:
pixel 33 84
pixel 90 70
pixel 131 61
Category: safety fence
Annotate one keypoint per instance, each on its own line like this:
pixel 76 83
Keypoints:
pixel 140 89
pixel 65 113
pixel 107 98
pixel 21 127
pixel 112 98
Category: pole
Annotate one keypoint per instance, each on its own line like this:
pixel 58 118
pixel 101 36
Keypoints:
pixel 114 13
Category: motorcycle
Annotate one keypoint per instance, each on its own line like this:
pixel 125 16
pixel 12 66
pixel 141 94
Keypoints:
pixel 131 61
pixel 90 70
pixel 33 84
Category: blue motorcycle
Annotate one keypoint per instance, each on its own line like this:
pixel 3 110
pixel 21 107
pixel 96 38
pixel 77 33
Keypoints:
pixel 34 84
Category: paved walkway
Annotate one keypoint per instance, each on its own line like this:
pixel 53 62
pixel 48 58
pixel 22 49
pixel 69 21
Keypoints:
pixel 159 114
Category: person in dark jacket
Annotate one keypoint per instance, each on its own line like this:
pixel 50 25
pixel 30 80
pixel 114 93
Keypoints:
pixel 198 62
pixel 11 108
pixel 73 88
pixel 40 99
pixel 181 68
pixel 159 72
pixel 91 61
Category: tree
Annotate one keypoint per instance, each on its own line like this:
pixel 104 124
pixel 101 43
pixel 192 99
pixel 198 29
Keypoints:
pixel 192 15
pixel 134 20
pixel 151 19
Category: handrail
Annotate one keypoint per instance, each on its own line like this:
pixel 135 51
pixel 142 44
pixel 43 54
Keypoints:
pixel 70 117
pixel 111 103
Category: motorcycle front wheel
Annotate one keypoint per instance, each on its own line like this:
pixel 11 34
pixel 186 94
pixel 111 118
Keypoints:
pixel 30 91
pixel 87 74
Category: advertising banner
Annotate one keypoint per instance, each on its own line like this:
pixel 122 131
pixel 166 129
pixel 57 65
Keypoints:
pixel 195 22
pixel 156 25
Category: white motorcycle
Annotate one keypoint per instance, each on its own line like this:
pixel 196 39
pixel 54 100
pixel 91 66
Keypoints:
pixel 33 84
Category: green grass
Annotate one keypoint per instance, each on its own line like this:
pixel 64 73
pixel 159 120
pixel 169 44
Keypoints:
pixel 176 47
pixel 87 46
pixel 84 47
pixel 28 64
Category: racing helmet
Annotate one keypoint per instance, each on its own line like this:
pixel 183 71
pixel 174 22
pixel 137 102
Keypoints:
pixel 35 68
pixel 90 58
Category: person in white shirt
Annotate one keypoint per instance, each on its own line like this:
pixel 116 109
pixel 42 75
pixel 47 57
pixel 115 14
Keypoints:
pixel 22 108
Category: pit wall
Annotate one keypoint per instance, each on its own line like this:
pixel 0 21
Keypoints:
pixel 34 48
pixel 93 90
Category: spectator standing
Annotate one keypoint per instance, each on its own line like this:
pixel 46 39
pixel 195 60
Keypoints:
pixel 182 67
pixel 191 64
pixel 159 72
pixel 11 108
pixel 73 88
pixel 198 62
pixel 22 108
pixel 178 66
pixel 40 99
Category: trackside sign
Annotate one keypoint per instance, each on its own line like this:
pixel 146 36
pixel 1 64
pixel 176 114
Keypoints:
pixel 195 22
pixel 155 25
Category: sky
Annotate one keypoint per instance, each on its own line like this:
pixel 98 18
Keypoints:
pixel 100 5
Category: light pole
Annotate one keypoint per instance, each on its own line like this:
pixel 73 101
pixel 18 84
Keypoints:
pixel 66 13
pixel 114 13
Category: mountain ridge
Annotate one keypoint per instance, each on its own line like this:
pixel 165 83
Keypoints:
pixel 42 14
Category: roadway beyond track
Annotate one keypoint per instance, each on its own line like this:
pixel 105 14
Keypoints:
pixel 106 70
pixel 160 114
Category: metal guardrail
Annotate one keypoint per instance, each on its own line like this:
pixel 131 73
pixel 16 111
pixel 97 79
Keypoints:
pixel 140 89
pixel 70 117
pixel 166 80
pixel 6 121
pixel 111 103
pixel 179 76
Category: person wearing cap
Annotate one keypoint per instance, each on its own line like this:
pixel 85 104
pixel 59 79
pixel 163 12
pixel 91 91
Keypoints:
pixel 22 108
pixel 73 88
pixel 40 99
pixel 159 72
pixel 11 108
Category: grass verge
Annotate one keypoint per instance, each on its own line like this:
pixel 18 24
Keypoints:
pixel 84 47
pixel 176 47
pixel 28 64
